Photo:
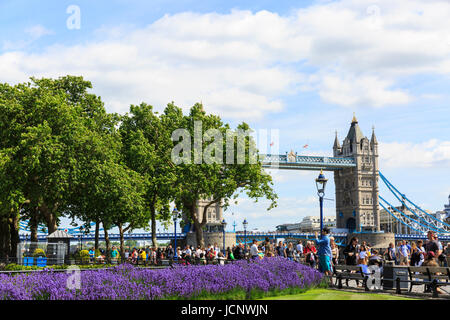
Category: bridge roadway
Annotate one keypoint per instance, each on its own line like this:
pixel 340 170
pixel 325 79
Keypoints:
pixel 341 237
pixel 295 162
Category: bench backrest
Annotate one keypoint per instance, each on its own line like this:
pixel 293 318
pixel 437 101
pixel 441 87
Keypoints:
pixel 347 268
pixel 418 269
pixel 440 273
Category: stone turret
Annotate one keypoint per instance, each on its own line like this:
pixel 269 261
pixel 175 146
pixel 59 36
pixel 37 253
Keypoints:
pixel 357 188
pixel 336 146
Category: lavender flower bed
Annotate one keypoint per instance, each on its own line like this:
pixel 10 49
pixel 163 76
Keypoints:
pixel 128 282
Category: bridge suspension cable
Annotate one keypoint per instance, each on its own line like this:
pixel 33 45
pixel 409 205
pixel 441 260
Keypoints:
pixel 427 224
pixel 431 222
pixel 416 226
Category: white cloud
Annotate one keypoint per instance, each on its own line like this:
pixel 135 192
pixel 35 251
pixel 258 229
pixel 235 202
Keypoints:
pixel 241 64
pixel 34 33
pixel 361 91
pixel 38 31
pixel 409 155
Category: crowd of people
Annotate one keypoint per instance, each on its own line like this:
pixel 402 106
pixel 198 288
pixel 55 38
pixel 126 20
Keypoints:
pixel 322 253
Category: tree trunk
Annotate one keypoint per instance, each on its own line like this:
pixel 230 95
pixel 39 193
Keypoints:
pixel 122 247
pixel 198 226
pixel 34 231
pixel 97 233
pixel 14 234
pixel 7 239
pixel 50 218
pixel 153 217
pixel 4 234
pixel 108 246
pixel 199 234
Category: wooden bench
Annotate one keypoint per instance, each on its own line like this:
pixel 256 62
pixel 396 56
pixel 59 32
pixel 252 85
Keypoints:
pixel 165 262
pixel 431 277
pixel 349 273
pixel 141 262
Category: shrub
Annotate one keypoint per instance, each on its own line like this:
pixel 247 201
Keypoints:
pixel 39 253
pixel 239 280
pixel 84 254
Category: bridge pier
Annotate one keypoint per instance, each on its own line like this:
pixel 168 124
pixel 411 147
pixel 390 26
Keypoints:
pixel 211 238
pixel 375 239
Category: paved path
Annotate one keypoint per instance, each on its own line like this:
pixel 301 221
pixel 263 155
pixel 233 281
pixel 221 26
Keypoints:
pixel 416 291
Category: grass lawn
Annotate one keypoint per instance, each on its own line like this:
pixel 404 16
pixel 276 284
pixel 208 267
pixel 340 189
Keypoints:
pixel 327 294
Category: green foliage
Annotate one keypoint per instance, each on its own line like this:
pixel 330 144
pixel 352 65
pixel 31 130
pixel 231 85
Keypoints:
pixel 39 253
pixel 131 243
pixel 62 154
pixel 221 181
pixel 84 255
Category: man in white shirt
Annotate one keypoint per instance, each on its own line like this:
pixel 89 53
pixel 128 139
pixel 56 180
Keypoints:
pixel 403 254
pixel 299 248
pixel 216 249
pixel 254 250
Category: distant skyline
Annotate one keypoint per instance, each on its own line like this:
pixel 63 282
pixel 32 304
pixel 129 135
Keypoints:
pixel 302 67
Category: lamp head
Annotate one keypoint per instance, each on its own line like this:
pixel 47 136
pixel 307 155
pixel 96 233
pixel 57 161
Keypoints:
pixel 321 183
pixel 175 213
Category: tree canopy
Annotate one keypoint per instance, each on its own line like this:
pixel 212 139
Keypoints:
pixel 63 155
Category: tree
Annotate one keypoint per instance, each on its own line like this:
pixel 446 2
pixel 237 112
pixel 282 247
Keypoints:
pixel 146 148
pixel 46 128
pixel 113 194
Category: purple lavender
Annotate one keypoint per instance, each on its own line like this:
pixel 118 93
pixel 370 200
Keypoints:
pixel 181 282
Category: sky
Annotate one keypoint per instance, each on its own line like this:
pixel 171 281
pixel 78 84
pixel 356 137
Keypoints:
pixel 300 67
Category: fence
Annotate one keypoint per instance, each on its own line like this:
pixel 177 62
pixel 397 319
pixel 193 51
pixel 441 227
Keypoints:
pixel 41 254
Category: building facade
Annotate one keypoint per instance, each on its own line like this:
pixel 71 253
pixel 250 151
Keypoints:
pixel 447 210
pixel 308 224
pixel 389 224
pixel 357 205
pixel 214 216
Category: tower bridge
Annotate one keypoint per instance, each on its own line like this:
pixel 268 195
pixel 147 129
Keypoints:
pixel 355 167
pixel 356 178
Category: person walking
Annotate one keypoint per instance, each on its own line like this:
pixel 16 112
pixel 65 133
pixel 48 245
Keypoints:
pixel 334 252
pixel 391 256
pixel 290 251
pixel 432 245
pixel 310 254
pixel 299 249
pixel 415 256
pixel 324 252
pixel 267 248
pixel 281 250
pixel 170 253
pixel 351 252
pixel 403 253
pixel 254 250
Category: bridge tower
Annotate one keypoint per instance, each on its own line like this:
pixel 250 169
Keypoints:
pixel 357 190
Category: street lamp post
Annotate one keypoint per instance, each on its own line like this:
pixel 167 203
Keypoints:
pixel 224 224
pixel 175 215
pixel 320 184
pixel 245 224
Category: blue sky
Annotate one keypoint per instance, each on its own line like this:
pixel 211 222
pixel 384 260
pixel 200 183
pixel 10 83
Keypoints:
pixel 300 67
